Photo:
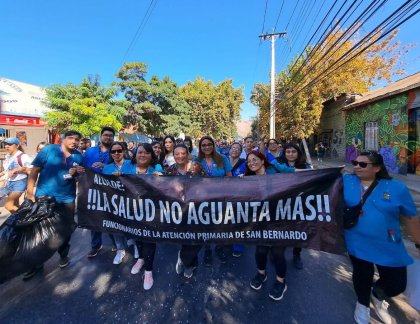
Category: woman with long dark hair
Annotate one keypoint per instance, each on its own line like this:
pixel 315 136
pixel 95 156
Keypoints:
pixel 215 165
pixel 143 163
pixel 293 157
pixel 168 148
pixel 376 239
pixel 160 154
pixel 258 165
pixel 238 169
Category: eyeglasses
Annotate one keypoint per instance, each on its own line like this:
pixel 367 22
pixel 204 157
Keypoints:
pixel 361 164
pixel 116 151
pixel 253 161
pixel 207 145
pixel 108 135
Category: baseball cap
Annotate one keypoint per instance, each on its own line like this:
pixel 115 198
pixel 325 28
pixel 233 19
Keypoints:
pixel 11 141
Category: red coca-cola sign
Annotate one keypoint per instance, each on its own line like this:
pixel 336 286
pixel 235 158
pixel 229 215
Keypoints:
pixel 21 121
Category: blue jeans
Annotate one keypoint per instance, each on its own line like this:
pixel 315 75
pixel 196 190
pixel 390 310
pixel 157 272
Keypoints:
pixel 96 239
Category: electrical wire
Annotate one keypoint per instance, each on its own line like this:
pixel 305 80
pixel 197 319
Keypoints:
pixel 140 28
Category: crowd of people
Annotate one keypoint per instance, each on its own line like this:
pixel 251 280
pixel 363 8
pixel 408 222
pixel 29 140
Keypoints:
pixel 376 239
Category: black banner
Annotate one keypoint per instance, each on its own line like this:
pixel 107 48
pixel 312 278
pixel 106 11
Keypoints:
pixel 291 209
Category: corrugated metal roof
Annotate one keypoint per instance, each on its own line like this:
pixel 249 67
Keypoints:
pixel 403 85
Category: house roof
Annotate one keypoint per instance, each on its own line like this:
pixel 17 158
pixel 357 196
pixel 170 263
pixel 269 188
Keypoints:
pixel 403 85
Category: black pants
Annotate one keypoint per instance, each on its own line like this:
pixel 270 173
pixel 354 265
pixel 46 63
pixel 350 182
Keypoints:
pixel 392 280
pixel 67 213
pixel 189 255
pixel 296 251
pixel 147 252
pixel 261 257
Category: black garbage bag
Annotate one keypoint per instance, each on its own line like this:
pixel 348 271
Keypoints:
pixel 33 235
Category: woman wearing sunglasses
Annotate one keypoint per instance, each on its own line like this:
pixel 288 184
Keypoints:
pixel 215 165
pixel 145 163
pixel 117 166
pixel 376 239
pixel 293 157
pixel 258 165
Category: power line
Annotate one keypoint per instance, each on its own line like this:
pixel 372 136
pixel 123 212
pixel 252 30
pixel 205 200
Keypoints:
pixel 265 13
pixel 278 17
pixel 141 26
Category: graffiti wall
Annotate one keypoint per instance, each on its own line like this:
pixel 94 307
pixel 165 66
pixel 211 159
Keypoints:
pixel 391 118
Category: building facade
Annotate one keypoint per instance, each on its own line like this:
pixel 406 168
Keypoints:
pixel 21 113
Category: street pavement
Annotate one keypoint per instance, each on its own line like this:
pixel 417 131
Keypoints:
pixel 96 291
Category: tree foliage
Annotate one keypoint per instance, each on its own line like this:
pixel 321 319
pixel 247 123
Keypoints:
pixel 214 108
pixel 85 108
pixel 153 107
pixel 310 80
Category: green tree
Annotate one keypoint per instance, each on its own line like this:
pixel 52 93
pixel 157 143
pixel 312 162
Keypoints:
pixel 154 107
pixel 214 108
pixel 85 108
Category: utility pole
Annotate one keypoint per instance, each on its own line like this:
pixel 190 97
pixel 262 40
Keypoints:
pixel 272 37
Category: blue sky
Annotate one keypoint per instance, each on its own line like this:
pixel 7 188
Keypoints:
pixel 48 42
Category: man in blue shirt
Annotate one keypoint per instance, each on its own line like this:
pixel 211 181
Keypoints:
pixel 53 172
pixel 96 158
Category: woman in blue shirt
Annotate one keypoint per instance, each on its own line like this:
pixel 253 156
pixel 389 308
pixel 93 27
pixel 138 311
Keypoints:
pixel 293 157
pixel 117 166
pixel 143 163
pixel 258 165
pixel 376 239
pixel 238 169
pixel 215 165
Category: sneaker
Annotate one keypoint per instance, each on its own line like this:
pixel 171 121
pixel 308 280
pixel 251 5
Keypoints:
pixel 361 314
pixel 208 259
pixel 221 255
pixel 64 262
pixel 137 266
pixel 297 261
pixel 179 267
pixel 94 252
pixel 236 254
pixel 278 290
pixel 119 256
pixel 29 274
pixel 258 280
pixel 148 280
pixel 189 272
pixel 381 309
pixel 136 252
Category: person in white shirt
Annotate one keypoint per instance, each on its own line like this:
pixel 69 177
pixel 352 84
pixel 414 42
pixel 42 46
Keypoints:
pixel 16 168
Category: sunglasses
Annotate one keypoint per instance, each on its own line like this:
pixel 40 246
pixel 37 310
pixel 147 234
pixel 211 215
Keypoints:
pixel 116 151
pixel 361 164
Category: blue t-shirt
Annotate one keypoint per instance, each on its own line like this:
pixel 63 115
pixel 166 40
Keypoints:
pixel 132 169
pixel 270 156
pixel 370 239
pixel 214 170
pixel 238 168
pixel 54 177
pixel 94 154
pixel 112 167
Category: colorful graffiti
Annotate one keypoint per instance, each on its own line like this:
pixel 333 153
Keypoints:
pixel 392 120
